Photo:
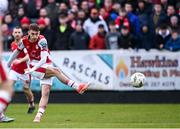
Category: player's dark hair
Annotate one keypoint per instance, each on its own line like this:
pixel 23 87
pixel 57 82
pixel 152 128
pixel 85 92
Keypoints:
pixel 17 27
pixel 34 27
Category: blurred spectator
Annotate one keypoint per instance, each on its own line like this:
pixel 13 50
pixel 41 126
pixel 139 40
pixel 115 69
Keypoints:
pixel 122 20
pixel 127 40
pixel 45 31
pixel 91 24
pixel 174 23
pixel 134 21
pixel 162 36
pixel 112 38
pixel 158 16
pixel 79 40
pixel 75 8
pixel 178 8
pixel 81 15
pixel 173 44
pixel 32 7
pixel 146 38
pixel 9 21
pixel 144 11
pixel 20 15
pixel 72 3
pixel 98 40
pixel 85 7
pixel 102 14
pixel 52 9
pixel 62 33
pixel 164 4
pixel 170 12
pixel 43 14
pixel 63 7
pixel 116 7
pixel 72 18
pixel 115 11
pixel 14 5
pixel 107 10
pixel 91 3
pixel 143 8
pixel 25 22
pixel 7 37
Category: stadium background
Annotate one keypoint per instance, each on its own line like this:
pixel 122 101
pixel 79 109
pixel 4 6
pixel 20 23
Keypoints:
pixel 110 69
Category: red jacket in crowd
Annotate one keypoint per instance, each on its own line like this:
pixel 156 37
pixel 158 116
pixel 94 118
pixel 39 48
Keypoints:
pixel 97 42
pixel 122 21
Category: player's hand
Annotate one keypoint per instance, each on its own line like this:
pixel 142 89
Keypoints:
pixel 16 61
pixel 27 71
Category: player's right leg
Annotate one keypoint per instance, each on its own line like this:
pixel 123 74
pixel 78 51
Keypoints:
pixel 45 91
pixel 52 71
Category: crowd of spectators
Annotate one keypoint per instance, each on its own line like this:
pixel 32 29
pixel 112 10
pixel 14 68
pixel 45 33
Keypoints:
pixel 96 24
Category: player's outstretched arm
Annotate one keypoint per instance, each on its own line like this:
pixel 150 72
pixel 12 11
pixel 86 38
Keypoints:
pixel 12 57
pixel 44 55
pixel 15 53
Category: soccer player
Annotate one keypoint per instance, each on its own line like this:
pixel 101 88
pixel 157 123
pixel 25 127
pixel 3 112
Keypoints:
pixel 6 90
pixel 41 66
pixel 18 66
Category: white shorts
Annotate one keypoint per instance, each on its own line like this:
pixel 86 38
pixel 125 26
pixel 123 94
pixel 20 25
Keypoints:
pixel 17 76
pixel 48 81
pixel 40 73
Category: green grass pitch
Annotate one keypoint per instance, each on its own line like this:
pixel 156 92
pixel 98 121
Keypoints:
pixel 97 116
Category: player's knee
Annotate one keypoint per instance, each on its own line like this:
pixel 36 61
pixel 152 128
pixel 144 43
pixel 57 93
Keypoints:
pixel 25 88
pixel 56 71
pixel 46 91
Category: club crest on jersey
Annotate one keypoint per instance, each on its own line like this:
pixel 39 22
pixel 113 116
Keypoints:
pixel 37 47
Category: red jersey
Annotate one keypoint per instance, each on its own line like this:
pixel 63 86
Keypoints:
pixel 19 68
pixel 34 49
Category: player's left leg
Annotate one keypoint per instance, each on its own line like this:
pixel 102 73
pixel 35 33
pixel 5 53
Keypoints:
pixel 51 71
pixel 45 91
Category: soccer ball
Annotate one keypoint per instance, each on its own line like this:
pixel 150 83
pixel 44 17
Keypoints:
pixel 137 80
